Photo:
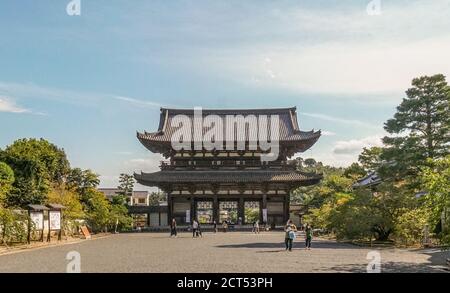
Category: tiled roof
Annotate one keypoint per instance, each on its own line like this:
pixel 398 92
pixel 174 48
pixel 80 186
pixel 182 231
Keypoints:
pixel 288 127
pixel 369 180
pixel 218 176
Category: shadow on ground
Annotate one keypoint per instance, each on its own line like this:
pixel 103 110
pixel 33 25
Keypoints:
pixel 389 267
pixel 297 245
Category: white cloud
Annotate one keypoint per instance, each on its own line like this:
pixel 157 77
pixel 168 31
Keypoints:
pixel 379 71
pixel 140 103
pixel 148 164
pixel 32 91
pixel 328 50
pixel 327 133
pixel 355 146
pixel 353 122
pixel 345 152
pixel 7 105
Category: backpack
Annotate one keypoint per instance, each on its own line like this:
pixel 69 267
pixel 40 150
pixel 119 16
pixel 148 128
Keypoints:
pixel 292 235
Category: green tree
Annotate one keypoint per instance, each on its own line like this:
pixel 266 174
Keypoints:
pixel 156 197
pixel 126 184
pixel 355 171
pixel 420 128
pixel 73 211
pixel 68 198
pixel 370 159
pixel 97 208
pixel 410 226
pixel 82 180
pixel 436 180
pixel 120 219
pixel 36 165
pixel 310 162
pixel 6 181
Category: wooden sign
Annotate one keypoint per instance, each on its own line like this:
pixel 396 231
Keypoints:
pixel 85 232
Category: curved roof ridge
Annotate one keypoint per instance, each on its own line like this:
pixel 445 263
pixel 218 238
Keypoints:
pixel 231 110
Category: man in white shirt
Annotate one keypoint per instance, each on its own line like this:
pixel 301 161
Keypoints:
pixel 194 228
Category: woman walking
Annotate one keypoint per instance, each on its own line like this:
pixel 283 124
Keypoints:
pixel 173 228
pixel 308 237
pixel 289 237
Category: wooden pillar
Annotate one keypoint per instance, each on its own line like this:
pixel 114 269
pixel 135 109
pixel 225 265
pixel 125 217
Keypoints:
pixel 264 206
pixel 193 208
pixel 216 209
pixel 241 211
pixel 286 206
pixel 169 208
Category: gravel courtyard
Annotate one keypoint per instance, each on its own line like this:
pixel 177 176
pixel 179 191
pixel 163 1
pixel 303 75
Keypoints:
pixel 223 252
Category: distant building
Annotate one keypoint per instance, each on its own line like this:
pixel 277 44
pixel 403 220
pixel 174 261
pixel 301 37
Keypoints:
pixel 371 180
pixel 138 198
pixel 144 215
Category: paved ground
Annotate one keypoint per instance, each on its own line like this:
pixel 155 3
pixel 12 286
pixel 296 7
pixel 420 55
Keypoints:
pixel 222 252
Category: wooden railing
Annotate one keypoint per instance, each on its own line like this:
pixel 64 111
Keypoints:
pixel 218 164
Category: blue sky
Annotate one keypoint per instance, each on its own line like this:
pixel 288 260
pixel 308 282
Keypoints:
pixel 88 82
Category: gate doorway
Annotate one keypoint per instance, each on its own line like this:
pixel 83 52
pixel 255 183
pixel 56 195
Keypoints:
pixel 228 211
pixel 251 211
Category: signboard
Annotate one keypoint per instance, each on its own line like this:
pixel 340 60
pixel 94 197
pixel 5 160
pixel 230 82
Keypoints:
pixel 55 220
pixel 188 216
pixel 264 213
pixel 85 232
pixel 38 220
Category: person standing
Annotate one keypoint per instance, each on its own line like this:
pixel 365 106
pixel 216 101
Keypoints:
pixel 194 228
pixel 289 237
pixel 173 228
pixel 224 226
pixel 199 230
pixel 308 237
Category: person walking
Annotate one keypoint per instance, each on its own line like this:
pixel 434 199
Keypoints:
pixel 173 228
pixel 289 237
pixel 215 226
pixel 256 227
pixel 194 228
pixel 308 237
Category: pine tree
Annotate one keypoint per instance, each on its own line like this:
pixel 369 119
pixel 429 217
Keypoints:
pixel 420 128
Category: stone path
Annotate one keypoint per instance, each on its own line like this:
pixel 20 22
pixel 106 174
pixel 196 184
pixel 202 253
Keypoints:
pixel 222 252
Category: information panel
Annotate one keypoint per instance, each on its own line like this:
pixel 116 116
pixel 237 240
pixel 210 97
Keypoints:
pixel 55 220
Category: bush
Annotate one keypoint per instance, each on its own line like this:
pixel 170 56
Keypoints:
pixel 410 226
pixel 13 226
